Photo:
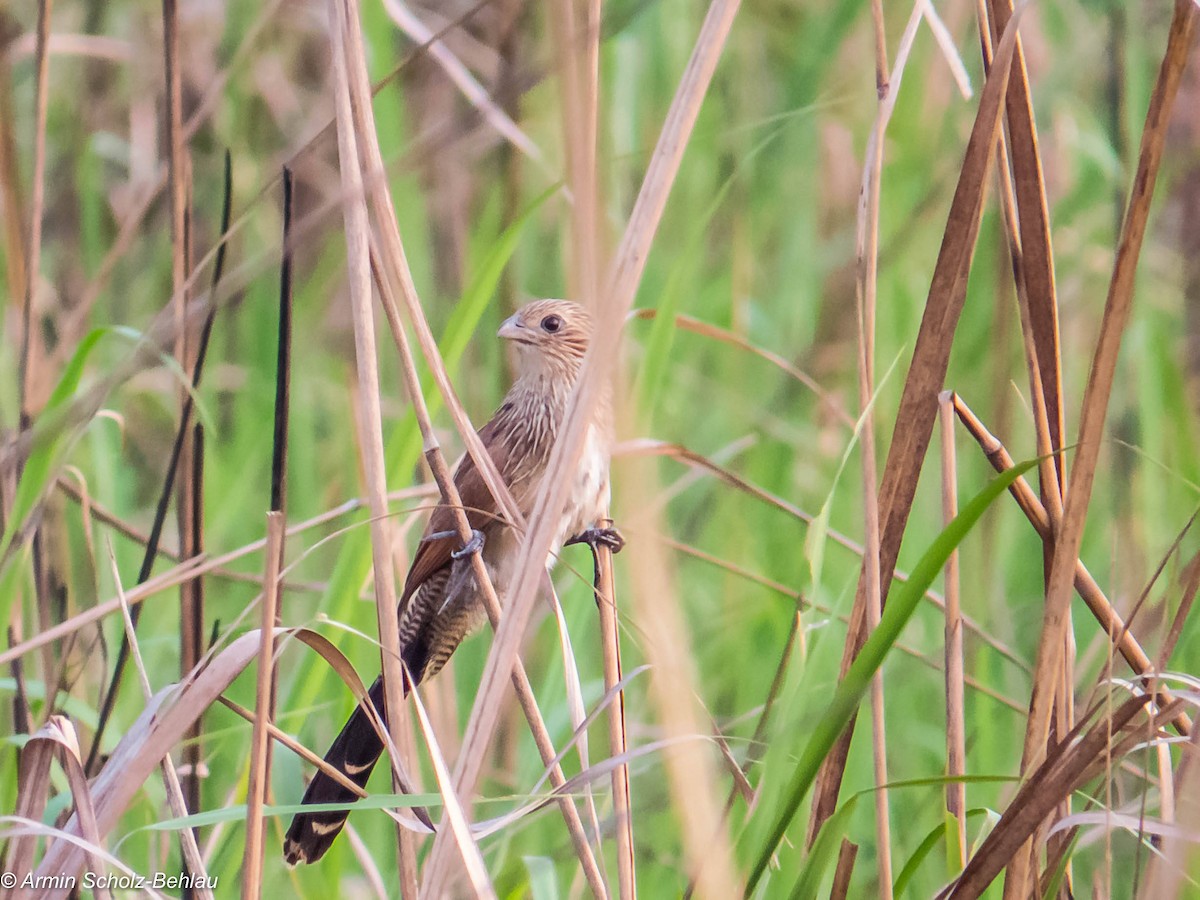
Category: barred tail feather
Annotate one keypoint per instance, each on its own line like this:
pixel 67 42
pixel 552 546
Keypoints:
pixel 354 752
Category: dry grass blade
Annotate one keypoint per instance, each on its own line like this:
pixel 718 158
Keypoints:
pixel 260 767
pixel 707 329
pixel 690 457
pixel 58 738
pixel 188 568
pixel 1167 873
pixel 845 868
pixel 32 790
pixel 1106 615
pixel 481 885
pixel 926 376
pixel 341 666
pixel 458 73
pixel 161 726
pixel 174 791
pixel 1068 765
pixel 29 828
pixel 1100 381
pixel 1037 257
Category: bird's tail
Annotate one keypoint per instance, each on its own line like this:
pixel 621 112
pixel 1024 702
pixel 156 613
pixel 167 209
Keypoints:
pixel 354 753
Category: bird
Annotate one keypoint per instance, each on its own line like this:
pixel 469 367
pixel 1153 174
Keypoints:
pixel 441 602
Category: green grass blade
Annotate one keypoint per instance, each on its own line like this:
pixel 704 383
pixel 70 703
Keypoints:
pixel 849 694
pixel 824 851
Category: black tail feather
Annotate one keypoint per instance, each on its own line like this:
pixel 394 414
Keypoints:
pixel 355 752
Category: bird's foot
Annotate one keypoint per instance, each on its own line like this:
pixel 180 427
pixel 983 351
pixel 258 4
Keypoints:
pixel 472 546
pixel 599 537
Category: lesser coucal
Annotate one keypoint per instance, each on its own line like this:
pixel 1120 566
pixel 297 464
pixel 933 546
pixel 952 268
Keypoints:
pixel 441 602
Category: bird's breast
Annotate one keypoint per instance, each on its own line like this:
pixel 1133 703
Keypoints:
pixel 589 493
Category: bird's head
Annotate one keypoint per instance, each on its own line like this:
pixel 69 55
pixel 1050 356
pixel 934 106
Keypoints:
pixel 550 337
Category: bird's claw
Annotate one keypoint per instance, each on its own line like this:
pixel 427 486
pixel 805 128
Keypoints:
pixel 600 537
pixel 474 545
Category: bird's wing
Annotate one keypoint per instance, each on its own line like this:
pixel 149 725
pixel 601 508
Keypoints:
pixel 435 553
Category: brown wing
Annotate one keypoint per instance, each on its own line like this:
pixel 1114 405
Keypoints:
pixel 477 500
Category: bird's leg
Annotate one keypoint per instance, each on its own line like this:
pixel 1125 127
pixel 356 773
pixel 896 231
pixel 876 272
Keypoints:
pixel 606 536
pixel 474 544
pixel 594 537
pixel 461 574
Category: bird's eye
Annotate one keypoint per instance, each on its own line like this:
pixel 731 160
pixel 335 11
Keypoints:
pixel 551 324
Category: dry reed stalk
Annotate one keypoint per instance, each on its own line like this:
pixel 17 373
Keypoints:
pixel 37 204
pixel 179 178
pixel 358 271
pixel 191 631
pixel 1108 618
pixel 31 375
pixel 256 791
pixel 600 362
pixel 576 33
pixel 577 24
pixel 10 177
pixel 1019 171
pixel 866 284
pixel 618 739
pixel 691 772
pixel 190 523
pixel 956 749
pixel 395 262
pixel 1036 272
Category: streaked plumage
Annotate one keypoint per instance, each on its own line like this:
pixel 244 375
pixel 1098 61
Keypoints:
pixel 441 603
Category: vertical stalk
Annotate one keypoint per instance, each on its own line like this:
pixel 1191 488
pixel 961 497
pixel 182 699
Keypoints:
pixel 956 791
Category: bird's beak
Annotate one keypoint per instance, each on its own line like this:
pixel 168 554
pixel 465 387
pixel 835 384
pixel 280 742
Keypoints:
pixel 511 329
